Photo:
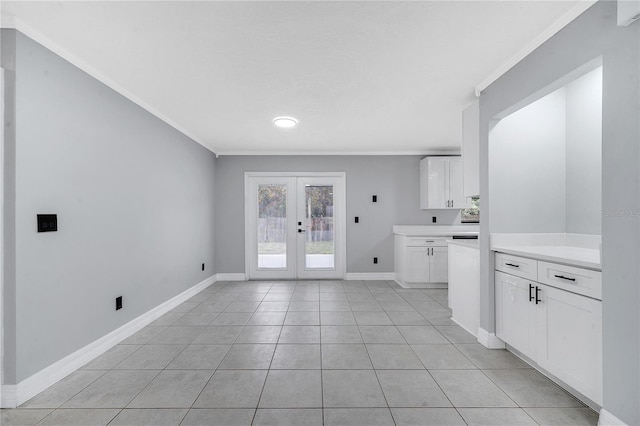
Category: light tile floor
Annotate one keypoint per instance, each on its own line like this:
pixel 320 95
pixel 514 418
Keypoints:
pixel 304 353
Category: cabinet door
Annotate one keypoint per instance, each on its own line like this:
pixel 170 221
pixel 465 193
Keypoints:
pixel 438 265
pixel 417 268
pixel 456 197
pixel 570 339
pixel 438 179
pixel 515 315
pixel 471 150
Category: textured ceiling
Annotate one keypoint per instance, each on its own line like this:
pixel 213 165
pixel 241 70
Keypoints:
pixel 361 77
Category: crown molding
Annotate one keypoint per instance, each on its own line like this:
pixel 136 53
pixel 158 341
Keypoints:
pixel 577 10
pixel 11 22
pixel 337 153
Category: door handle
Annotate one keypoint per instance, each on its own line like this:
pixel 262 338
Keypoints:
pixel 537 293
pixel 300 231
pixel 530 295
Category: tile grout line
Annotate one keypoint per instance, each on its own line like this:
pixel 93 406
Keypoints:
pixel 266 377
pixel 210 378
pixel 321 365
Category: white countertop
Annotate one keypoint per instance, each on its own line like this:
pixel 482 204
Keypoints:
pixel 579 250
pixel 474 244
pixel 574 256
pixel 435 231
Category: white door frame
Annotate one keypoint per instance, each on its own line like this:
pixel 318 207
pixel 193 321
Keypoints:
pixel 340 217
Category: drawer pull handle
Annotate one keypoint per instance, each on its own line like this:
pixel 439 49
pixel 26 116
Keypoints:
pixel 564 278
pixel 512 264
pixel 429 241
pixel 530 295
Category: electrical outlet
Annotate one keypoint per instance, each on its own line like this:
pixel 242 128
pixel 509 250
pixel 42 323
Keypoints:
pixel 357 220
pixel 374 198
pixel 118 303
pixel 203 266
pixel 375 260
pixel 433 219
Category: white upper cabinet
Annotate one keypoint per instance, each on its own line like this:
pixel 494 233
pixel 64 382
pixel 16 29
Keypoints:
pixel 471 150
pixel 456 180
pixel 441 183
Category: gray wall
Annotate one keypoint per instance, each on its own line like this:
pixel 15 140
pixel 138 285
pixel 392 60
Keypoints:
pixel 584 154
pixel 592 34
pixel 527 168
pixel 135 206
pixel 394 179
pixel 7 61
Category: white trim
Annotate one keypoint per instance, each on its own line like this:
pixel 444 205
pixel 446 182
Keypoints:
pixel 48 376
pixel 9 399
pixel 295 174
pixel 559 24
pixel 240 276
pixel 489 340
pixel 14 23
pixel 371 276
pixel 471 332
pixel 608 419
pixel 2 97
pixel 448 151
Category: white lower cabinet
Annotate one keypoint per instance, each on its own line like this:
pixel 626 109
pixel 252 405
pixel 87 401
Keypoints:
pixel 569 330
pixel 420 260
pixel 439 265
pixel 559 330
pixel 515 315
pixel 417 264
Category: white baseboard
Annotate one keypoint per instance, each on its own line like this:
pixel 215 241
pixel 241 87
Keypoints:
pixel 8 397
pixel 472 332
pixel 489 340
pixel 371 276
pixel 48 376
pixel 608 419
pixel 231 277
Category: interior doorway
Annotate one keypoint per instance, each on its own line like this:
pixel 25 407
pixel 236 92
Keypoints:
pixel 295 225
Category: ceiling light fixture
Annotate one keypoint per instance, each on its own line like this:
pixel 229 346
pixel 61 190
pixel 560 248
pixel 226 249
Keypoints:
pixel 285 122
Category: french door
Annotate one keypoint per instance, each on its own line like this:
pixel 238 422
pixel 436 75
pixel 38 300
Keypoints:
pixel 294 225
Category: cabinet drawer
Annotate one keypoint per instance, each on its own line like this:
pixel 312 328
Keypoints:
pixel 519 266
pixel 426 242
pixel 576 280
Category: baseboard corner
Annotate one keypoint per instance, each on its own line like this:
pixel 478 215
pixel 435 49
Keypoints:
pixel 489 340
pixel 8 396
pixel 608 419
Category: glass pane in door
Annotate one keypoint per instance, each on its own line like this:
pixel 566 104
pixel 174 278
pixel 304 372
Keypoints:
pixel 272 226
pixel 319 235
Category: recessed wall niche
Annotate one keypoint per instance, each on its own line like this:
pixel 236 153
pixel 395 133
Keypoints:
pixel 545 160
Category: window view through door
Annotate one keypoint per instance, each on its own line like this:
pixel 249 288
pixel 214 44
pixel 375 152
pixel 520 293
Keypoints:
pixel 272 226
pixel 319 236
pixel 295 226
